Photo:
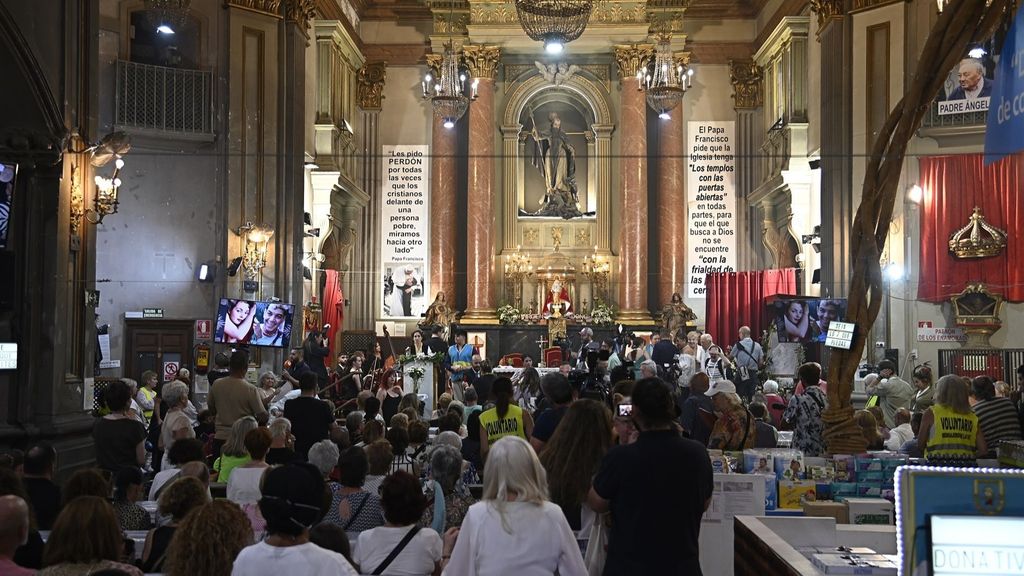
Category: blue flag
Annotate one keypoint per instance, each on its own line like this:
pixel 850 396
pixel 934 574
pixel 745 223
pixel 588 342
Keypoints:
pixel 1005 132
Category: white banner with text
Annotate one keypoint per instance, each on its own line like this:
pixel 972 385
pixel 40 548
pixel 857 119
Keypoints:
pixel 711 205
pixel 405 230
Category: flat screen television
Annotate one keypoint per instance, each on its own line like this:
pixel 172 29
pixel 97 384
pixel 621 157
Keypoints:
pixel 7 174
pixel 805 320
pixel 254 323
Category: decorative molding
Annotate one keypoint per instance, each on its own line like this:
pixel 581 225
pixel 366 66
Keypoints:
pixel 531 237
pixel 266 7
pixel 630 58
pixel 862 5
pixel 589 91
pixel 434 63
pixel 396 54
pixel 514 71
pixel 31 147
pixel 371 79
pixel 719 52
pixel 746 79
pixel 829 10
pixel 482 60
pixel 582 237
pixel 77 203
pixel 302 12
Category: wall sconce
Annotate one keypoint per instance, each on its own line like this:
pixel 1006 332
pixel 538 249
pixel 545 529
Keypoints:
pixel 113 146
pixel 254 254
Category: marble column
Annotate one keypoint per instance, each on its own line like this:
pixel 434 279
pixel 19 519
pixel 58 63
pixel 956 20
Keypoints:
pixel 442 200
pixel 480 233
pixel 633 271
pixel 671 207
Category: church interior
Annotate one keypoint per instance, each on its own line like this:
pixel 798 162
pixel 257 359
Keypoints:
pixel 176 172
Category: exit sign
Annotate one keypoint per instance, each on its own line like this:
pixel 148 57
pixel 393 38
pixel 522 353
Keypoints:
pixel 152 312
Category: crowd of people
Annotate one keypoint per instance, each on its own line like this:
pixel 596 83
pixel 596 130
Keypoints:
pixel 521 475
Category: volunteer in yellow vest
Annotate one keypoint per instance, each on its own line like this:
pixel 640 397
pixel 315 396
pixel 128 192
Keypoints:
pixel 147 396
pixel 505 419
pixel 949 429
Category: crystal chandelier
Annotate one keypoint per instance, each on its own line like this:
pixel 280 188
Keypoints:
pixel 167 16
pixel 554 22
pixel 665 81
pixel 447 92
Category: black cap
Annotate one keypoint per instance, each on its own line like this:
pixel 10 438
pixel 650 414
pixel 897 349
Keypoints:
pixel 886 365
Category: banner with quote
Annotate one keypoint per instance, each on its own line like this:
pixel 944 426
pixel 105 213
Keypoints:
pixel 711 208
pixel 405 230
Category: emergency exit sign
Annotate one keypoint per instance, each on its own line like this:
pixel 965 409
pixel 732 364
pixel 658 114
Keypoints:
pixel 152 312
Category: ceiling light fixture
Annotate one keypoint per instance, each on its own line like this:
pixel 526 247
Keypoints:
pixel 447 92
pixel 554 22
pixel 664 80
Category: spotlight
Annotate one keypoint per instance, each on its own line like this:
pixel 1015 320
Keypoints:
pixel 553 47
pixel 449 123
pixel 164 29
pixel 206 272
pixel 893 272
pixel 664 116
pixel 977 53
pixel 915 194
pixel 233 267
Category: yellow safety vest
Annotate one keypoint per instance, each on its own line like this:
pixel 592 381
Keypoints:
pixel 149 394
pixel 510 425
pixel 954 436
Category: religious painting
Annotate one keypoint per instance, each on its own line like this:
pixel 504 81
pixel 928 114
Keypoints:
pixel 555 156
pixel 7 172
pixel 404 290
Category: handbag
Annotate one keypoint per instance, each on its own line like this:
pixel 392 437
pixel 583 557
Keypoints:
pixel 597 547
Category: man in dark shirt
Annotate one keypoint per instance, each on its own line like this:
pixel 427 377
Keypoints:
pixel 657 489
pixel 696 408
pixel 664 352
pixel 558 390
pixel 43 494
pixel 297 367
pixel 221 360
pixel 312 419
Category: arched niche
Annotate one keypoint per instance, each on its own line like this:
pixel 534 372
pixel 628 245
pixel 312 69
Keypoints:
pixel 590 105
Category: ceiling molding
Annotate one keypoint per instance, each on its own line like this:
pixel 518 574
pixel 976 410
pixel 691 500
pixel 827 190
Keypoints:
pixel 788 8
pixel 719 52
pixel 397 54
pixel 409 10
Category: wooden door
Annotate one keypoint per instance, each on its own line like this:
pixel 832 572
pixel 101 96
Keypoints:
pixel 157 345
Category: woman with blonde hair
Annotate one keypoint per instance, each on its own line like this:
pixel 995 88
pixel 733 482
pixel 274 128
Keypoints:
pixel 869 428
pixel 514 529
pixel 949 429
pixel 85 539
pixel 234 454
pixel 181 497
pixel 208 540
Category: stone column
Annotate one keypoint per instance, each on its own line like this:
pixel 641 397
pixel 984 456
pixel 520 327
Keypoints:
pixel 671 207
pixel 371 79
pixel 748 98
pixel 442 202
pixel 633 189
pixel 480 305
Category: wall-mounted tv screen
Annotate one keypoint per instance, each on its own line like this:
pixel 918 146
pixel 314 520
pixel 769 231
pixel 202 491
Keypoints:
pixel 806 319
pixel 7 173
pixel 254 323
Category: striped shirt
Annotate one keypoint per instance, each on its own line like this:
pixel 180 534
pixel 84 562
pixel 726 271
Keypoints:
pixel 998 421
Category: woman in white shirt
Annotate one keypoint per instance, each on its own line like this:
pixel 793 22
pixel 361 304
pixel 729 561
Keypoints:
pixel 291 504
pixel 176 424
pixel 412 551
pixel 244 482
pixel 514 529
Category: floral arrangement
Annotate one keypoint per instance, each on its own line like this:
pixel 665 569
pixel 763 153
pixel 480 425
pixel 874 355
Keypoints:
pixel 602 314
pixel 417 374
pixel 509 314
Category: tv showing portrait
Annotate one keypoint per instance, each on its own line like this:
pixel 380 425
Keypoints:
pixel 254 323
pixel 7 173
pixel 806 319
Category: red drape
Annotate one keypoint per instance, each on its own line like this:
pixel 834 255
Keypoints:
pixel 737 298
pixel 333 310
pixel 953 186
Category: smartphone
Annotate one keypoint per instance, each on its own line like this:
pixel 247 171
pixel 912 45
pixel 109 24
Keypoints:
pixel 625 409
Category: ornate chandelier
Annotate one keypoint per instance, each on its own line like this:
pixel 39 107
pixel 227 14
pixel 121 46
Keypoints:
pixel 447 92
pixel 665 81
pixel 167 16
pixel 554 22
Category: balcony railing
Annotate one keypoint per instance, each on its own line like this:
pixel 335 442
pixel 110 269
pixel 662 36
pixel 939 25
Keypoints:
pixel 168 100
pixel 936 124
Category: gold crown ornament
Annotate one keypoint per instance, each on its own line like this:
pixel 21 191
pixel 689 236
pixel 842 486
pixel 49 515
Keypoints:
pixel 978 239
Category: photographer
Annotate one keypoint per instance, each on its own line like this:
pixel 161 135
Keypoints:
pixel 315 350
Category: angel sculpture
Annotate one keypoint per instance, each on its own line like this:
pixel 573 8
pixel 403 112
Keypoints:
pixel 557 74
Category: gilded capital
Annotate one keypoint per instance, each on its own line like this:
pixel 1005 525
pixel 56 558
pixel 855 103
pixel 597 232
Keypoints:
pixel 745 77
pixel 481 60
pixel 268 7
pixel 827 11
pixel 631 58
pixel 302 12
pixel 371 78
pixel 434 63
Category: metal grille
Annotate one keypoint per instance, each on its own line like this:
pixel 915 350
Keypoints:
pixel 996 363
pixel 933 120
pixel 164 99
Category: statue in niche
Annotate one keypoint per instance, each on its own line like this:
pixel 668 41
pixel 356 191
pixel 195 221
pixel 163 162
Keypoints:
pixel 555 157
pixel 438 314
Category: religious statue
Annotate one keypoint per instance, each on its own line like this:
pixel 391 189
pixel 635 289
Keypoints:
pixel 676 315
pixel 439 314
pixel 555 157
pixel 557 303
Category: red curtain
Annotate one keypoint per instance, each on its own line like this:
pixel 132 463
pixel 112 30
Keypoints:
pixel 333 310
pixel 953 186
pixel 737 299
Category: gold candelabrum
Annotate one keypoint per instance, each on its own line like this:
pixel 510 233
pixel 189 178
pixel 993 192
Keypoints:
pixel 256 238
pixel 598 269
pixel 517 269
